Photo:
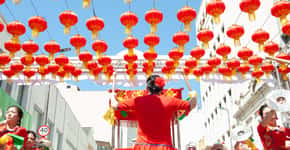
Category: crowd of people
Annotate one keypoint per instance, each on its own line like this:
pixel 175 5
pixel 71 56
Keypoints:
pixel 12 126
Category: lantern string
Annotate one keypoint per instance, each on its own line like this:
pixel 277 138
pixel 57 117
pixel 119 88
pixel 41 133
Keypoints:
pixel 267 18
pixel 93 6
pixel 66 4
pixel 129 5
pixel 186 3
pixel 34 8
pixel 10 12
pixel 278 33
pixel 154 3
pixel 237 19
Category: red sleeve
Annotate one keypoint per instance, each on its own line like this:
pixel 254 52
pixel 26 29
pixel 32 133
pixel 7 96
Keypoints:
pixel 262 131
pixel 181 104
pixel 22 132
pixel 127 105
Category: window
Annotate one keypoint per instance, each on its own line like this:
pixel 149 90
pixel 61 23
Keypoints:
pixel 230 92
pixel 225 99
pixel 57 141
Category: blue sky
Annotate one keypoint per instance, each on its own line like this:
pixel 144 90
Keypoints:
pixel 113 33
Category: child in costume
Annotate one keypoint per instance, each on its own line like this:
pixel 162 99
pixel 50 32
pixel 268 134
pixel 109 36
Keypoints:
pixel 154 113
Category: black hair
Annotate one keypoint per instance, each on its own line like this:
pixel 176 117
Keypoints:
pixel 19 113
pixel 261 109
pixel 153 89
pixel 32 132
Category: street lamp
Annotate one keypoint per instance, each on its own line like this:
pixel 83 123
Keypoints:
pixel 229 124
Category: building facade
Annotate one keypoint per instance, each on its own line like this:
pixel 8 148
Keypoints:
pixel 223 103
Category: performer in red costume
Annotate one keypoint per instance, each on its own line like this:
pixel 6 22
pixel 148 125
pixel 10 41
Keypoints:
pixel 272 136
pixel 154 113
pixel 12 123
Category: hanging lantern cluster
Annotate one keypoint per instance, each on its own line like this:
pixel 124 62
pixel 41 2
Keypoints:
pixel 180 39
pixel 12 47
pixel 260 37
pixel 107 68
pixel 271 48
pixel 223 50
pixel 30 47
pixel 244 54
pixel 256 61
pixel 148 66
pixel 68 19
pixel 168 69
pixel 235 32
pixel 215 8
pixel 16 29
pixel 85 57
pixel 186 15
pixel 130 43
pixel 37 24
pixel 27 62
pixel 233 64
pixel 129 20
pixel 95 25
pixel 214 62
pixel 52 47
pixel 281 9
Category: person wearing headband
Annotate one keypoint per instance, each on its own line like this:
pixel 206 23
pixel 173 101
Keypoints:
pixel 154 113
pixel 273 137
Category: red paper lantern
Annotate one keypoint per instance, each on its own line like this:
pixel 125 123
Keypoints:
pixel 27 62
pixel 148 68
pixel 150 56
pixel 165 70
pixel 78 41
pixel 255 61
pixel 76 73
pixel 61 75
pixel 286 28
pixel 53 69
pixel 281 9
pixel 233 64
pixel 16 29
pixel 96 72
pixel 235 32
pixel 61 60
pixel 42 60
pixel 130 43
pixel 16 67
pixel 205 36
pixel 1 26
pixel 215 8
pixel 153 17
pixel 250 6
pixel 180 39
pixel 245 53
pixel 30 48
pixel 185 15
pixel 130 58
pixel 214 62
pixel 197 72
pixel 191 63
pixel 206 69
pixel 225 71
pixel 223 50
pixel 99 46
pixel 9 74
pixel 148 65
pixel 243 69
pixel 170 64
pixel 130 66
pixel 95 24
pixel 68 69
pixel 37 24
pixel 104 61
pixel 267 68
pixel 86 3
pixel 28 74
pixel 257 74
pixel 175 54
pixel 284 73
pixel 68 18
pixel 91 66
pixel 4 59
pixel 85 57
pixel 2 2
pixel 43 73
pixel 197 53
pixel 12 47
pixel 151 40
pixel 186 71
pixel 260 36
pixel 129 19
pixel 285 57
pixel 271 48
pixel 52 47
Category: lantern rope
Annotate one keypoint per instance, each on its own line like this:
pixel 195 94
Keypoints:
pixel 129 5
pixel 265 21
pixel 93 6
pixel 10 12
pixel 34 8
pixel 237 19
pixel 154 3
pixel 66 4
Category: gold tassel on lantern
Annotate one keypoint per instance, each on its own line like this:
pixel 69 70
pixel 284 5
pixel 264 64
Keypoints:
pixel 284 76
pixel 96 76
pixel 225 58
pixel 127 1
pixel 252 16
pixel 67 29
pixel 205 45
pixel 50 56
pixel 94 34
pixel 27 80
pixel 153 28
pixel 110 116
pixel 151 49
pixel 76 78
pixel 283 20
pixel 16 1
pixel 35 33
pixel 12 54
pixel 216 19
pixel 128 30
pixel 237 42
pixel 131 77
pixel 181 48
pixel 42 77
pixel 15 39
pixel 261 47
pixel 197 78
pixel 78 50
pixel 86 3
pixel 130 51
pixel 187 26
